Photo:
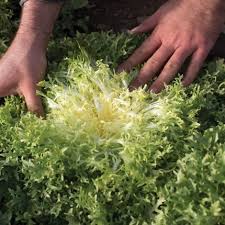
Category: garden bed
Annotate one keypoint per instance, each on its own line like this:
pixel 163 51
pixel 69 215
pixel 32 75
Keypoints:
pixel 105 155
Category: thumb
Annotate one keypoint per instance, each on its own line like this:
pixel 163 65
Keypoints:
pixel 147 25
pixel 33 101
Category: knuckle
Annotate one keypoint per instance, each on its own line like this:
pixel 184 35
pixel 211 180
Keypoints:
pixel 154 62
pixel 204 44
pixel 157 86
pixel 140 51
pixel 140 80
pixel 203 52
pixel 203 47
pixel 186 47
pixel 128 64
pixel 188 81
pixel 169 46
pixel 158 83
pixel 151 67
pixel 144 76
pixel 171 66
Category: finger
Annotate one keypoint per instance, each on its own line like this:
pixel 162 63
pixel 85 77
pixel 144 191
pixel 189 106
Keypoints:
pixel 171 69
pixel 33 101
pixel 141 54
pixel 147 25
pixel 153 65
pixel 195 65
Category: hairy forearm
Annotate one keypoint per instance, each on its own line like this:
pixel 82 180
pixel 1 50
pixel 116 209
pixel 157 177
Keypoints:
pixel 23 1
pixel 37 21
pixel 217 7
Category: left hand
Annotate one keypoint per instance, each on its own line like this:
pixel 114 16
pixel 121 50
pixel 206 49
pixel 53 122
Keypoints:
pixel 181 29
pixel 21 68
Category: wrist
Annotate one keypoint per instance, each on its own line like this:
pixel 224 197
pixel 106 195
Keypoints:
pixel 211 6
pixel 37 41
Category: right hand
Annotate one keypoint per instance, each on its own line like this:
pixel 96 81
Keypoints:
pixel 181 30
pixel 21 68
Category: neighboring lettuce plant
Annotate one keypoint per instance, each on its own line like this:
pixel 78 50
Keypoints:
pixel 7 25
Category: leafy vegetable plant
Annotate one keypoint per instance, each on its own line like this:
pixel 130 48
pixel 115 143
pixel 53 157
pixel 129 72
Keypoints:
pixel 105 155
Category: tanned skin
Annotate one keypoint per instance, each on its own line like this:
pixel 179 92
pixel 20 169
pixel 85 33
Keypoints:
pixel 180 29
pixel 24 64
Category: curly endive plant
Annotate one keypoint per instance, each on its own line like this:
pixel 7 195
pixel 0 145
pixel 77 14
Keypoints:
pixel 105 155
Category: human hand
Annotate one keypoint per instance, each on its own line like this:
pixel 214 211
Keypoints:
pixel 21 68
pixel 24 64
pixel 181 29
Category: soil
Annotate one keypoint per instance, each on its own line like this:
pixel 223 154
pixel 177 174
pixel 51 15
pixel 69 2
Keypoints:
pixel 120 15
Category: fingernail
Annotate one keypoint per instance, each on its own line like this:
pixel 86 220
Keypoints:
pixel 153 90
pixel 135 84
pixel 134 30
pixel 129 31
pixel 131 88
pixel 119 69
